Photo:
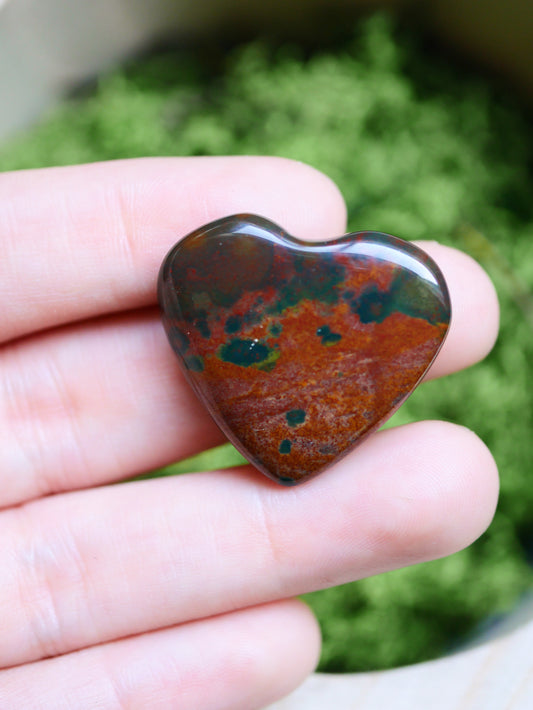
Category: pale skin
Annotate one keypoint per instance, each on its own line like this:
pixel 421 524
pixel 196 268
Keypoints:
pixel 178 592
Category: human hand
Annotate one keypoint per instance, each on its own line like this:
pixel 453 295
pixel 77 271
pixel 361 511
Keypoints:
pixel 175 592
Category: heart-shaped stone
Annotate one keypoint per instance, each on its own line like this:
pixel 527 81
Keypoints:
pixel 298 349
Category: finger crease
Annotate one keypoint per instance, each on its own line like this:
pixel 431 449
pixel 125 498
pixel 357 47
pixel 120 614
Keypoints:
pixel 52 585
pixel 270 539
pixel 124 230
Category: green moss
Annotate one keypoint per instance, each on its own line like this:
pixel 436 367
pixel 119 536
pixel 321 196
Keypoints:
pixel 423 149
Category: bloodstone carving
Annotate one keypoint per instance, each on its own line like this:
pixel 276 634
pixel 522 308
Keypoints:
pixel 299 350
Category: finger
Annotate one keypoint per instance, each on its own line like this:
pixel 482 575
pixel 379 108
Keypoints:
pixel 87 240
pixel 82 568
pixel 95 403
pixel 244 660
pixel 105 400
pixel 475 310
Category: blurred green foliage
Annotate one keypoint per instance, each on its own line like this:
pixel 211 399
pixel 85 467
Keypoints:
pixel 422 148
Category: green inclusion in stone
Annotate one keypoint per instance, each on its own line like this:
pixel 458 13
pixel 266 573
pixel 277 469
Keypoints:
pixel 295 417
pixel 195 363
pixel 328 338
pixel 249 353
pixel 285 446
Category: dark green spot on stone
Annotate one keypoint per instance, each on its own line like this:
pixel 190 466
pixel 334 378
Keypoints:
pixel 179 340
pixel 243 352
pixel 407 294
pixel 194 363
pixel 295 417
pixel 328 338
pixel 201 324
pixel 418 299
pixel 286 481
pixel 249 353
pixel 233 325
pixel 285 446
pixel 372 306
pixel 313 281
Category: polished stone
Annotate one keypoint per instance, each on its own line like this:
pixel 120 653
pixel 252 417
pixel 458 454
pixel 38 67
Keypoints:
pixel 298 349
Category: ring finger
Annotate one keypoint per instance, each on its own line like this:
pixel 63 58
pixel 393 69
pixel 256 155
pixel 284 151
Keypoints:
pixel 245 660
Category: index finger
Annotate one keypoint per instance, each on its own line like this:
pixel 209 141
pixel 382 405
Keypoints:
pixel 83 241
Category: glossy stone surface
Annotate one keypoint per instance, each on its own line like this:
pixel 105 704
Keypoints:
pixel 300 349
